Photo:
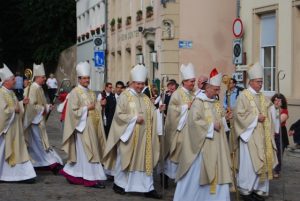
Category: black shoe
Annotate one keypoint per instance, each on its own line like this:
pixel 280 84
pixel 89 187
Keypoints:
pixel 98 185
pixel 257 197
pixel 247 197
pixel 56 169
pixel 153 194
pixel 118 189
pixel 166 181
pixel 27 181
pixel 110 178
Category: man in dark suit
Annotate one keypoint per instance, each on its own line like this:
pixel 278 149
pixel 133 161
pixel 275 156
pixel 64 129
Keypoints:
pixel 108 101
pixel 172 86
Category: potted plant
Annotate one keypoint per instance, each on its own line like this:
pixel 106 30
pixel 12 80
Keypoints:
pixel 112 24
pixel 78 39
pixel 119 22
pixel 98 30
pixel 149 11
pixel 93 31
pixel 139 15
pixel 128 20
pixel 87 35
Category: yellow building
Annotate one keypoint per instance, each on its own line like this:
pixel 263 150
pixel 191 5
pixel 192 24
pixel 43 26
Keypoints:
pixel 272 29
pixel 163 34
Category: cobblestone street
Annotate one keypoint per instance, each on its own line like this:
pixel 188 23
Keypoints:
pixel 50 187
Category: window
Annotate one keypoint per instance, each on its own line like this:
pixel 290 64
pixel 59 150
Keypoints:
pixel 268 50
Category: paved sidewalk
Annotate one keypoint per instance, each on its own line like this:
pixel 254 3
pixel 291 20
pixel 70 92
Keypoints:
pixel 50 187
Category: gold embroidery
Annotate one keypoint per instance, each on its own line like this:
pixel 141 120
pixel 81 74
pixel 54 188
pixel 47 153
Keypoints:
pixel 148 160
pixel 11 99
pixel 209 119
pixel 187 98
pixel 89 98
pixel 268 164
pixel 267 169
pixel 148 131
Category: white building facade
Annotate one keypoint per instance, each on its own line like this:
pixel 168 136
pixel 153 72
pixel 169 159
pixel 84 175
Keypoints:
pixel 271 37
pixel 90 16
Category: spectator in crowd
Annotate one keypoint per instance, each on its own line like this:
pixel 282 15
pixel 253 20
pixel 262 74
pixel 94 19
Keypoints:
pixel 25 82
pixel 202 82
pixel 108 102
pixel 282 116
pixel 295 132
pixel 231 94
pixel 19 90
pixel 52 87
pixel 172 86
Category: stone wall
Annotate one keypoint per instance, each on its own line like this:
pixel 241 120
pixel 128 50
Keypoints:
pixel 66 65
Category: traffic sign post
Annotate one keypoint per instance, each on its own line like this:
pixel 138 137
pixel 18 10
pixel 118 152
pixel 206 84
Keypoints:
pixel 99 59
pixel 237 51
pixel 237 28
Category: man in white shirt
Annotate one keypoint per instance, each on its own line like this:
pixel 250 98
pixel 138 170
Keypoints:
pixel 52 87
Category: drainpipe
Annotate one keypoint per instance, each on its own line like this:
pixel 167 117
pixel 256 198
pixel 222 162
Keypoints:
pixel 238 8
pixel 106 44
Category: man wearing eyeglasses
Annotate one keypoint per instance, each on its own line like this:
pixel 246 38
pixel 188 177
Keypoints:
pixel 257 149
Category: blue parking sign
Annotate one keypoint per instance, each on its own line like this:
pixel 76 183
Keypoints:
pixel 99 58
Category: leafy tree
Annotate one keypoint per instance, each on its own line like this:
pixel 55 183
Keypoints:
pixel 37 30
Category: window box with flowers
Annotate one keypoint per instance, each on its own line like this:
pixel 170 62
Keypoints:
pixel 149 11
pixel 139 15
pixel 128 20
pixel 83 37
pixel 98 30
pixel 103 28
pixel 119 20
pixel 112 24
pixel 87 35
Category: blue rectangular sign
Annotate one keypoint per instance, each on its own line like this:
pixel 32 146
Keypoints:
pixel 99 58
pixel 185 44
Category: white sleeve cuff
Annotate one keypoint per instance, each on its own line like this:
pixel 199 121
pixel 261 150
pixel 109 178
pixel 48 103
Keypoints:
pixel 183 117
pixel 248 132
pixel 129 130
pixel 39 117
pixel 9 123
pixel 210 132
pixel 159 127
pixel 82 122
pixel 226 128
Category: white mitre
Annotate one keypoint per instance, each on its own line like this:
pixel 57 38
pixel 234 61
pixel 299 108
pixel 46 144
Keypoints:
pixel 83 69
pixel 255 71
pixel 5 73
pixel 215 78
pixel 139 73
pixel 38 70
pixel 187 71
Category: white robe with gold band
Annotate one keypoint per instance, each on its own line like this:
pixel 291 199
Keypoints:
pixel 257 149
pixel 35 128
pixel 83 138
pixel 132 149
pixel 175 122
pixel 204 168
pixel 15 164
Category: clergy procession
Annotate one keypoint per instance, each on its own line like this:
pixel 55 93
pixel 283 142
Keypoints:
pixel 184 135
